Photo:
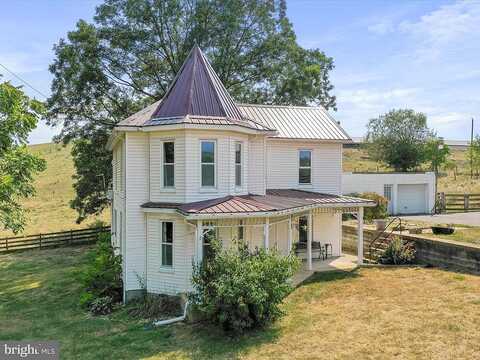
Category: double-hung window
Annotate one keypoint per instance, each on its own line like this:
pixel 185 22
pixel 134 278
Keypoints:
pixel 305 167
pixel 169 164
pixel 208 163
pixel 238 164
pixel 167 244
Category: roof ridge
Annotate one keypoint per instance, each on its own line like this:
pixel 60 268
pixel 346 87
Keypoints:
pixel 320 107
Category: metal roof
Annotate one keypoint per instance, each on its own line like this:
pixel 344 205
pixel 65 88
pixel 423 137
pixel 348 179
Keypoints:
pixel 274 200
pixel 197 96
pixel 297 122
pixel 197 90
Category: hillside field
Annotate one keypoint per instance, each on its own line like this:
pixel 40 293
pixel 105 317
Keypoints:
pixel 50 211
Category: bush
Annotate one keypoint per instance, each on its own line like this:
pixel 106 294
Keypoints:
pixel 380 211
pixel 102 306
pixel 241 290
pixel 155 307
pixel 102 276
pixel 398 253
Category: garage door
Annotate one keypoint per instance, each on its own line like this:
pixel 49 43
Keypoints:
pixel 411 199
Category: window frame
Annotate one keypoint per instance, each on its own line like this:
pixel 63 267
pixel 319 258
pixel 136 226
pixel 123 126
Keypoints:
pixel 162 243
pixel 239 186
pixel 305 167
pixel 164 186
pixel 215 152
pixel 300 230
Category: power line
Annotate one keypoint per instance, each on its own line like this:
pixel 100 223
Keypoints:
pixel 24 81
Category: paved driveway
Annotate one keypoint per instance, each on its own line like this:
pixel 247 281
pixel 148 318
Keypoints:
pixel 472 218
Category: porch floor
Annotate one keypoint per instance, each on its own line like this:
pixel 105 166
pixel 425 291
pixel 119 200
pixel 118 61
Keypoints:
pixel 346 262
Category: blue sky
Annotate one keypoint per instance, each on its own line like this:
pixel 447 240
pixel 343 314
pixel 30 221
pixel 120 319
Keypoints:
pixel 423 55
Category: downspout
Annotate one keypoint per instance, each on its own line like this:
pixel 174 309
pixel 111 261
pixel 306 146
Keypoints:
pixel 173 320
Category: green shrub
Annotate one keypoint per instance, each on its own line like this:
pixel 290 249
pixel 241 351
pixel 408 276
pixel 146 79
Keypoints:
pixel 102 306
pixel 102 276
pixel 380 211
pixel 398 253
pixel 241 290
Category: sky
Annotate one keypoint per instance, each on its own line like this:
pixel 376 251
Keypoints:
pixel 423 55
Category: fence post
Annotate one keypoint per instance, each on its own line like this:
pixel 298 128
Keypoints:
pixel 40 241
pixel 6 244
pixel 466 201
pixel 71 237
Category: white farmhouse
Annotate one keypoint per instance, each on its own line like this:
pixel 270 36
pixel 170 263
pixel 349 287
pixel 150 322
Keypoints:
pixel 196 164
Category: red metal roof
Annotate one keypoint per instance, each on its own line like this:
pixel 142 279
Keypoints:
pixel 274 200
pixel 197 90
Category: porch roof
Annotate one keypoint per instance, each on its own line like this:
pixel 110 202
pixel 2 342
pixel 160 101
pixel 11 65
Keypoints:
pixel 275 201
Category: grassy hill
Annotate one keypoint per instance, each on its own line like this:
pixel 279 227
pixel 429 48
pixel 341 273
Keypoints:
pixel 358 160
pixel 50 210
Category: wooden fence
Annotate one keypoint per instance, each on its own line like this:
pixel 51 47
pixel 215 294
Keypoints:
pixel 458 202
pixel 40 241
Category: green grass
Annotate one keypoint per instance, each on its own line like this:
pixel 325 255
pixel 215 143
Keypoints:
pixel 49 210
pixel 377 313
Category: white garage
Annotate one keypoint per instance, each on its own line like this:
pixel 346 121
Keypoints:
pixel 412 199
pixel 407 193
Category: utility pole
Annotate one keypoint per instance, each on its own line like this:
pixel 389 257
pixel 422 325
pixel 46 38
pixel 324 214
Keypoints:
pixel 471 152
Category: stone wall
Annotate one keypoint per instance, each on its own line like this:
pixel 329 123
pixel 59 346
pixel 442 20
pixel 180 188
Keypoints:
pixel 459 256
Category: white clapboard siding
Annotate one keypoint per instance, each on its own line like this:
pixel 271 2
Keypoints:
pixel 224 164
pixel 136 195
pixel 256 166
pixel 158 192
pixel 283 164
pixel 178 278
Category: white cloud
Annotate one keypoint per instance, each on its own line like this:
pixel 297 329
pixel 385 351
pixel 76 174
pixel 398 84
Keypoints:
pixel 377 99
pixel 451 28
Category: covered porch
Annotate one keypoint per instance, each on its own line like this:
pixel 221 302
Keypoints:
pixel 305 223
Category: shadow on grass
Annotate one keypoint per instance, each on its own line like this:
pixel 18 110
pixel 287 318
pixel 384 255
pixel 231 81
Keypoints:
pixel 328 276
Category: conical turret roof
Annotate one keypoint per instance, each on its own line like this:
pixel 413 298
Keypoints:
pixel 197 91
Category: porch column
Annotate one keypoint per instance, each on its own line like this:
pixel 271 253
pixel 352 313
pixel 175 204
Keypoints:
pixel 289 239
pixel 266 234
pixel 199 241
pixel 309 240
pixel 360 235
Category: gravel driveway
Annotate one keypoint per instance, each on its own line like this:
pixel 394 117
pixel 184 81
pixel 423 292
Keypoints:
pixel 472 218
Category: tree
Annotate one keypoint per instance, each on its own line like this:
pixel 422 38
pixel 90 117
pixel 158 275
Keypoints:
pixel 398 139
pixel 473 155
pixel 18 117
pixel 436 153
pixel 124 60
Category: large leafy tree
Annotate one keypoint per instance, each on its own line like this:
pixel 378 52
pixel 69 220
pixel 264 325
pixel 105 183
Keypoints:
pixel 125 59
pixel 398 139
pixel 18 117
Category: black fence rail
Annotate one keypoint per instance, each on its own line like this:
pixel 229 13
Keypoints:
pixel 54 239
pixel 458 202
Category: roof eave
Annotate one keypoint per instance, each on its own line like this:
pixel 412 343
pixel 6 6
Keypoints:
pixel 182 126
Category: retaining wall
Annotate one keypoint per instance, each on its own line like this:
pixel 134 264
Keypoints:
pixel 463 257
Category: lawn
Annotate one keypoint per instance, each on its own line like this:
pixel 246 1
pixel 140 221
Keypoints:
pixel 374 313
pixel 50 209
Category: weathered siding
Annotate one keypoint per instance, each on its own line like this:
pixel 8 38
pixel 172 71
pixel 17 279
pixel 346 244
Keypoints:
pixel 283 162
pixel 136 194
